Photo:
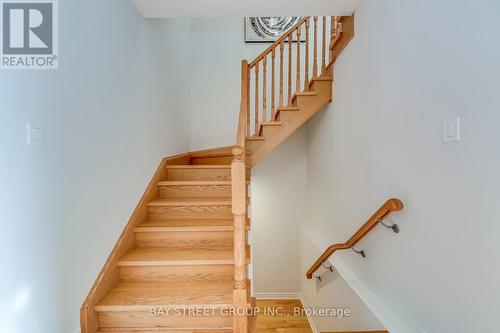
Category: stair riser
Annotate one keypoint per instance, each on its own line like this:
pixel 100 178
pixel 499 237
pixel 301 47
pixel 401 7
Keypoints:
pixel 253 145
pixel 318 85
pixel 212 160
pixel 324 95
pixel 199 174
pixel 143 319
pixel 189 212
pixel 195 191
pixel 267 131
pixel 285 116
pixel 301 101
pixel 186 239
pixel 203 273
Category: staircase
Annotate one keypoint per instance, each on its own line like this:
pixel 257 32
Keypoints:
pixel 180 265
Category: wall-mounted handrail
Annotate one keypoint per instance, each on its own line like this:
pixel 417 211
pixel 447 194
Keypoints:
pixel 390 206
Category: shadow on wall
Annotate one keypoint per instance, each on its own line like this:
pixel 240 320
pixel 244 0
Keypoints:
pixel 331 292
pixel 327 275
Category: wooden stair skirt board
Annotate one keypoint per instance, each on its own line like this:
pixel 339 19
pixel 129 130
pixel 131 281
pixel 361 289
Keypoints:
pixel 186 243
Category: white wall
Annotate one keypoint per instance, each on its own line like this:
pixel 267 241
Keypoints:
pixel 111 111
pixel 331 292
pixel 279 205
pixel 411 65
pixel 217 48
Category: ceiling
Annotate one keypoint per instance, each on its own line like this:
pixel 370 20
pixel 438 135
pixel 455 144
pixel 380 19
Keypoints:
pixel 241 8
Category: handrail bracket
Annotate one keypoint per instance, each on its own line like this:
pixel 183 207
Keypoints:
pixel 392 226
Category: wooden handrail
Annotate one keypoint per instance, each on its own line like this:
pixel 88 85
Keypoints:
pixel 390 206
pixel 294 62
pixel 278 41
pixel 242 121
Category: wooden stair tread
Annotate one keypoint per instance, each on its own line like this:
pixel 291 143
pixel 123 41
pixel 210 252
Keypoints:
pixel 255 138
pixel 130 296
pixel 285 109
pixel 303 93
pixel 214 152
pixel 306 93
pixel 195 182
pixel 187 225
pixel 322 78
pixel 199 166
pixel 288 108
pixel 190 202
pixel 166 256
pixel 271 123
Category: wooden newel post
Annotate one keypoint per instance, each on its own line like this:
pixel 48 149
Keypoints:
pixel 238 191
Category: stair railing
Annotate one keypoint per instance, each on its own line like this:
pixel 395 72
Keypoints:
pixel 307 50
pixel 390 206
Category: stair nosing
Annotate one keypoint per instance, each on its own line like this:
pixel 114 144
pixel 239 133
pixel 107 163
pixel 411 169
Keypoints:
pixel 288 108
pixel 190 202
pixel 181 262
pixel 306 93
pixel 185 229
pixel 142 307
pixel 177 262
pixel 169 328
pixel 199 166
pixel 195 182
pixel 322 78
pixel 255 138
pixel 155 225
pixel 271 123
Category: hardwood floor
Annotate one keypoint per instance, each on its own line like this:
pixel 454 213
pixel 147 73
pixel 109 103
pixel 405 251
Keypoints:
pixel 277 316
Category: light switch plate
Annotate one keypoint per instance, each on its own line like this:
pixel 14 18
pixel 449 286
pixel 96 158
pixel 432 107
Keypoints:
pixel 451 130
pixel 35 133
